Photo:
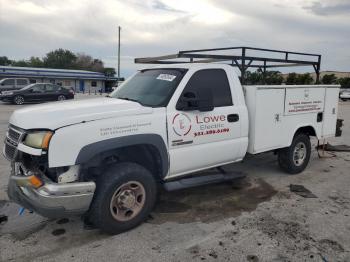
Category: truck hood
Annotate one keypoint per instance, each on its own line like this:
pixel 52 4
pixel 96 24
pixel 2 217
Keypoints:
pixel 58 114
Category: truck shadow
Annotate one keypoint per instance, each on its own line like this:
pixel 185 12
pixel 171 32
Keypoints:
pixel 212 202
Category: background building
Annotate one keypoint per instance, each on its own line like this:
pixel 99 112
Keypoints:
pixel 78 80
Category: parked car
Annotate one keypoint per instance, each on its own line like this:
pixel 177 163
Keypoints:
pixel 13 83
pixel 37 92
pixel 344 95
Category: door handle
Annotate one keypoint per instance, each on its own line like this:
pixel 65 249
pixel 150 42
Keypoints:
pixel 233 118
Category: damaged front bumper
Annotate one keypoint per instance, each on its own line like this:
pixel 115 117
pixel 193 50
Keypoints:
pixel 51 200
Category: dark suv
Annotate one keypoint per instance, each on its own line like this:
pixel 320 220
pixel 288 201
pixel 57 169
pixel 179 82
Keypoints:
pixel 37 92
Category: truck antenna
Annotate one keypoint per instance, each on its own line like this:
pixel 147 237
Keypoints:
pixel 119 29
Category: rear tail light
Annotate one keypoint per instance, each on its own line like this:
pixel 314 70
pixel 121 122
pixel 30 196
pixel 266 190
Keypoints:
pixel 71 91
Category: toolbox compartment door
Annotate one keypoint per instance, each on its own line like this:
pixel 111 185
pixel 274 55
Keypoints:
pixel 304 100
pixel 330 112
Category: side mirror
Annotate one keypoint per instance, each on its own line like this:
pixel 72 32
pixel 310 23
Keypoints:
pixel 202 101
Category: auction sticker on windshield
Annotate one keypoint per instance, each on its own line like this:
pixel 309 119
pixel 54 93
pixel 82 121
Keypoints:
pixel 166 77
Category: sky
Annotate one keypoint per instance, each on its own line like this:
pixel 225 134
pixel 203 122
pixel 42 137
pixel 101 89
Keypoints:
pixel 158 27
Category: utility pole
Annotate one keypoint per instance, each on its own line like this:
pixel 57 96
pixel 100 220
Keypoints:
pixel 119 29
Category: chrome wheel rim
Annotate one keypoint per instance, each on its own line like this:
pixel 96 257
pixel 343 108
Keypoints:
pixel 299 154
pixel 61 98
pixel 19 100
pixel 128 201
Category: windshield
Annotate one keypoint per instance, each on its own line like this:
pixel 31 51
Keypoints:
pixel 28 86
pixel 150 87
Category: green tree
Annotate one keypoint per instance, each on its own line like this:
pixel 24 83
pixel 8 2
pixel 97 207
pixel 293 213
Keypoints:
pixel 36 62
pixel 86 62
pixel 273 78
pixel 291 79
pixel 83 61
pixel 60 58
pixel 304 79
pixel 329 79
pixel 63 59
pixel 109 71
pixel 4 61
pixel 299 79
pixel 344 82
pixel 253 78
pixel 97 66
pixel 22 63
pixel 257 77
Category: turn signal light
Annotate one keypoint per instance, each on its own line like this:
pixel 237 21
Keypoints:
pixel 35 181
pixel 28 181
pixel 46 140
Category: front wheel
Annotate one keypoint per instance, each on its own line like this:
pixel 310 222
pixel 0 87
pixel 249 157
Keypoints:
pixel 18 100
pixel 295 158
pixel 125 195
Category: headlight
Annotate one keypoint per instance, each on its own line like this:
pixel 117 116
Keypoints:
pixel 7 93
pixel 39 139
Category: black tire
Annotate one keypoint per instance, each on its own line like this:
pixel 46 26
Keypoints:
pixel 287 159
pixel 100 212
pixel 61 98
pixel 18 100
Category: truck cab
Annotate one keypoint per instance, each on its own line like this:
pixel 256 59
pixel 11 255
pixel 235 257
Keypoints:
pixel 207 112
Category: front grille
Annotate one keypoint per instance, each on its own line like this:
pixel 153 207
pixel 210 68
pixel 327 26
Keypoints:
pixel 14 134
pixel 12 140
pixel 10 151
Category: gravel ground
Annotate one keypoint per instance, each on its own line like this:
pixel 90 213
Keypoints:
pixel 256 218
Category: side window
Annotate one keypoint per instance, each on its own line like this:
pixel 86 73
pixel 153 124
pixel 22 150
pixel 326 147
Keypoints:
pixel 9 82
pixel 38 88
pixel 51 88
pixel 216 80
pixel 22 82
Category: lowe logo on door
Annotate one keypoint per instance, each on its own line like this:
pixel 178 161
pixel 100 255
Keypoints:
pixel 213 124
pixel 182 124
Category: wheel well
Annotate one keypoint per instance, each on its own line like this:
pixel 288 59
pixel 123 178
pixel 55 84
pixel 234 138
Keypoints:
pixel 308 130
pixel 145 155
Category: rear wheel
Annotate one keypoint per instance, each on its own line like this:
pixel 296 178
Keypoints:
pixel 61 98
pixel 18 100
pixel 124 197
pixel 295 158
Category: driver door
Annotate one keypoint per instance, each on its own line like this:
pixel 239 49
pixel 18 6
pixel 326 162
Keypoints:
pixel 203 139
pixel 36 92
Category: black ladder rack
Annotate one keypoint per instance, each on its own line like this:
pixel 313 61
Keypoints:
pixel 261 59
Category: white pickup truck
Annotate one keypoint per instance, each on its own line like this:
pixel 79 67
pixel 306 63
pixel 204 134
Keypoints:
pixel 106 157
